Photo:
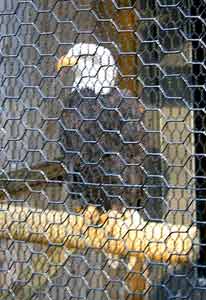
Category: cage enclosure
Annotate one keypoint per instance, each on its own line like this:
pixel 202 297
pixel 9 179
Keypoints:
pixel 102 165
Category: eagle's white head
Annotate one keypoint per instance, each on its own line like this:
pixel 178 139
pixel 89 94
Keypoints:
pixel 93 65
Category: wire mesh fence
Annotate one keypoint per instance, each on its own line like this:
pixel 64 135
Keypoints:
pixel 102 141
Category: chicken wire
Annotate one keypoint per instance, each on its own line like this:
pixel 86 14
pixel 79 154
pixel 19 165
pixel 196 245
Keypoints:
pixel 137 154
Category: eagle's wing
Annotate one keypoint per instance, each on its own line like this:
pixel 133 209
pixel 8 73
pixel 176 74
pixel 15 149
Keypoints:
pixel 79 138
pixel 123 132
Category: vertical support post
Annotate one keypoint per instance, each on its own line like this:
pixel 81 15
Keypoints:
pixel 124 36
pixel 127 21
pixel 136 281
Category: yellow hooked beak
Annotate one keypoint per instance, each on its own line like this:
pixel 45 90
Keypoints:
pixel 66 61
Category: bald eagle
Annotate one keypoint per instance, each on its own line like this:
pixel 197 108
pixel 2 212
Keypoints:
pixel 102 131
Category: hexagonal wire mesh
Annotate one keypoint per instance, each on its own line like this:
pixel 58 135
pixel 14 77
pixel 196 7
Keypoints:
pixel 102 149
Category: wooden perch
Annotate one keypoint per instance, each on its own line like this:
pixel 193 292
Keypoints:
pixel 115 234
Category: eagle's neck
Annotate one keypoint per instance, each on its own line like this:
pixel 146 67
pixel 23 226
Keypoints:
pixel 100 79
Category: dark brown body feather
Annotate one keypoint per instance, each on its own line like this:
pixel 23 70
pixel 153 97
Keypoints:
pixel 101 141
